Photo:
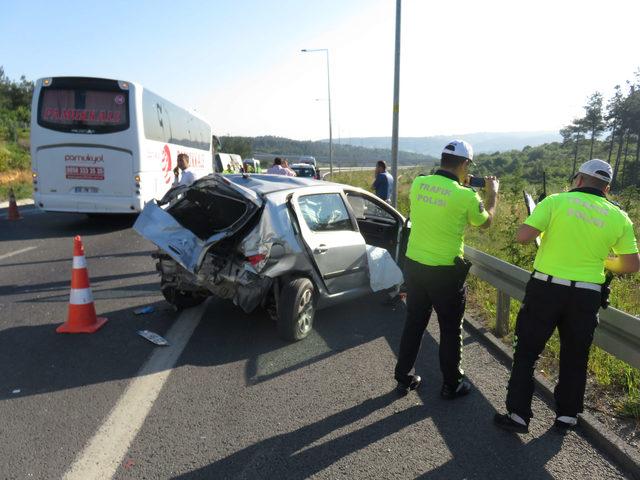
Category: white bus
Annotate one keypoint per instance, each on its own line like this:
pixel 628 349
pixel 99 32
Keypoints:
pixel 109 146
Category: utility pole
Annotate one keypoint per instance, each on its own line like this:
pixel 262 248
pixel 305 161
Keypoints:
pixel 326 51
pixel 396 110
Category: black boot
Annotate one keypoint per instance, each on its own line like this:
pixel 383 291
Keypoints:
pixel 408 383
pixel 450 392
pixel 505 422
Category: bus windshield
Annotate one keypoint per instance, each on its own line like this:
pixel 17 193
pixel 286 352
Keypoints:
pixel 84 110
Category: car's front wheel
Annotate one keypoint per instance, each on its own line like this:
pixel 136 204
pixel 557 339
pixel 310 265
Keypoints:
pixel 296 309
pixel 182 299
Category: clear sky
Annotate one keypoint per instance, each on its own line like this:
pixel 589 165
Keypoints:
pixel 467 65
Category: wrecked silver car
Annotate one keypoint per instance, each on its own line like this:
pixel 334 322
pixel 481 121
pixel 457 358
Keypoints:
pixel 289 245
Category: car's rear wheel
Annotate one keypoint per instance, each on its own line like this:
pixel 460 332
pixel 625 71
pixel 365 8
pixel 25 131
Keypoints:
pixel 296 309
pixel 182 299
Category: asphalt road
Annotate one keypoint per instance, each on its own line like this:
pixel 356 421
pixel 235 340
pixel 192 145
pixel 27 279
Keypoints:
pixel 228 398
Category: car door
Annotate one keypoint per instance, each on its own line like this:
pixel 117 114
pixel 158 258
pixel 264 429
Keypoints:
pixel 379 223
pixel 332 237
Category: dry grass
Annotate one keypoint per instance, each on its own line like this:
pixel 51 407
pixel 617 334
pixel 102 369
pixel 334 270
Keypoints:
pixel 19 181
pixel 14 177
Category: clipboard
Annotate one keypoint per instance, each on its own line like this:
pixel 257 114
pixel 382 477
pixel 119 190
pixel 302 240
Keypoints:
pixel 531 205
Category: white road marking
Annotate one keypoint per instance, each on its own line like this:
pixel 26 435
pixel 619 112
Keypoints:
pixel 105 451
pixel 17 252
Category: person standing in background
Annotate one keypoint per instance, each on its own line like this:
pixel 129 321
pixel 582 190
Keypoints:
pixel 187 177
pixel 383 183
pixel 276 168
pixel 290 172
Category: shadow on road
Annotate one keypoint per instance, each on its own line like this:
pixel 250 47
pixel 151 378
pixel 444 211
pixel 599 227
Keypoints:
pixel 61 285
pixel 145 253
pixel 44 362
pixel 36 360
pixel 57 225
pixel 286 456
pixel 475 448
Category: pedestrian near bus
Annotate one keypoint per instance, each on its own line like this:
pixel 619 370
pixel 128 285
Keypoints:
pixel 579 229
pixel 182 174
pixel 441 206
pixel 383 183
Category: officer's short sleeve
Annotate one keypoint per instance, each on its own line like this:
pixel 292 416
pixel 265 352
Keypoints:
pixel 627 243
pixel 541 215
pixel 476 213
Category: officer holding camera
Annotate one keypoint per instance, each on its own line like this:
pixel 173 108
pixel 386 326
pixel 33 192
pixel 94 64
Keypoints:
pixel 567 287
pixel 435 270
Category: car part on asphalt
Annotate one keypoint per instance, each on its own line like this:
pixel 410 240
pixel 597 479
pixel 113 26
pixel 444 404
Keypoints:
pixel 144 310
pixel 154 338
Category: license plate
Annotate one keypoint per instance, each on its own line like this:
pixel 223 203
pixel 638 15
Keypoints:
pixel 84 173
pixel 85 190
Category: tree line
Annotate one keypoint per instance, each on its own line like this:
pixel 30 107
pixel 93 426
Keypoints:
pixel 15 105
pixel 15 115
pixel 618 121
pixel 342 154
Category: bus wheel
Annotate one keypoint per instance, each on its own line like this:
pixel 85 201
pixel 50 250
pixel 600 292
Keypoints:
pixel 182 299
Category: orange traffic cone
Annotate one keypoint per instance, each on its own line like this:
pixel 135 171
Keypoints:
pixel 82 313
pixel 14 214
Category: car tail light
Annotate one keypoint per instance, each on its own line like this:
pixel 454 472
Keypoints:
pixel 256 259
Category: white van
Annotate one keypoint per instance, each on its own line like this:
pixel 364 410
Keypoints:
pixel 228 163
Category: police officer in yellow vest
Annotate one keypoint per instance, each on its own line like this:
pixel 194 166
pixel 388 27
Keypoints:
pixel 579 229
pixel 435 271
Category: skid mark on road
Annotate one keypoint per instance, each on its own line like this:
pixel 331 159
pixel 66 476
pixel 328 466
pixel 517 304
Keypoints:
pixel 104 452
pixel 17 252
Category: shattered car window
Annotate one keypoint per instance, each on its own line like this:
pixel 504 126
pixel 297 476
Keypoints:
pixel 365 208
pixel 325 212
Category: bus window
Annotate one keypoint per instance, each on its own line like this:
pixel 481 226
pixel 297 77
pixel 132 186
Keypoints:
pixel 84 110
pixel 165 122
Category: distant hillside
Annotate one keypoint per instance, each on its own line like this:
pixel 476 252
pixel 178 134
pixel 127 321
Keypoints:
pixel 482 142
pixel 268 147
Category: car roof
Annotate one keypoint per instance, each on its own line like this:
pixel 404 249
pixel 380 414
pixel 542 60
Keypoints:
pixel 265 184
pixel 302 165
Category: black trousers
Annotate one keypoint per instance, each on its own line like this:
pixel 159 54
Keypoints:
pixel 441 288
pixel 574 311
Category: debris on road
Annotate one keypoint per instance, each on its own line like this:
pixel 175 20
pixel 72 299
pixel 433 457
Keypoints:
pixel 144 310
pixel 153 337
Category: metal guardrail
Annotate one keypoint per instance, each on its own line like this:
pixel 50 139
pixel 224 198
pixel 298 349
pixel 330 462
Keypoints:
pixel 364 168
pixel 618 332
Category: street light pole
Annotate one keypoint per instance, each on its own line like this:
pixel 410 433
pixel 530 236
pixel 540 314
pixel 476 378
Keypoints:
pixel 396 110
pixel 326 50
